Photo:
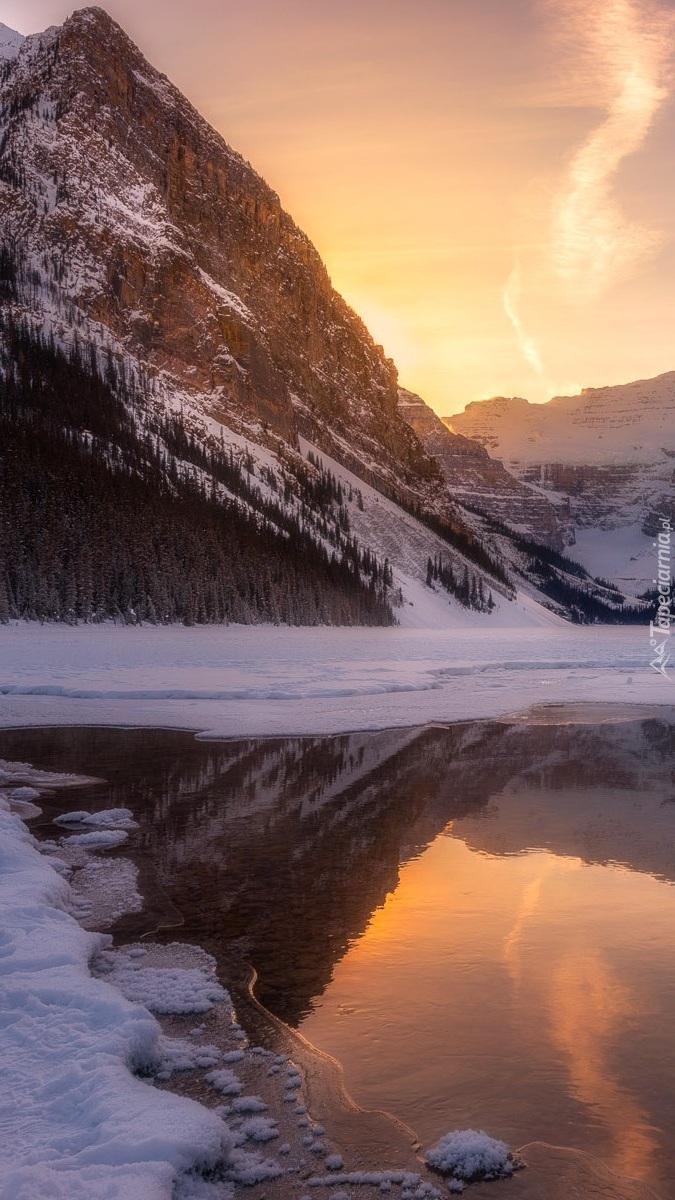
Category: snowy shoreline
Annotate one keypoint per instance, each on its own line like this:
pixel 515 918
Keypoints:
pixel 84 1020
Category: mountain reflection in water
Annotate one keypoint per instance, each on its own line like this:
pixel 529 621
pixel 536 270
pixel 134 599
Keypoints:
pixel 476 921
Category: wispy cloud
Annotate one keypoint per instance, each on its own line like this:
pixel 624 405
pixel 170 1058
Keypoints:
pixel 620 51
pixel 511 299
pixel 593 243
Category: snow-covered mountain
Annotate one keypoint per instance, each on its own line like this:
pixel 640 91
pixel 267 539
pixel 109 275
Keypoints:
pixel 605 459
pixel 10 42
pixel 171 341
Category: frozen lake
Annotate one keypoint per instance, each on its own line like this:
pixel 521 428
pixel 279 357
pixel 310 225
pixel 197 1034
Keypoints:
pixel 476 921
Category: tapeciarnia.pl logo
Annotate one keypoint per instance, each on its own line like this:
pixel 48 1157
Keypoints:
pixel 660 626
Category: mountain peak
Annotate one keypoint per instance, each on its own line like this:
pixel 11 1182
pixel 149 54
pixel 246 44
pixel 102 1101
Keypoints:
pixel 10 42
pixel 174 251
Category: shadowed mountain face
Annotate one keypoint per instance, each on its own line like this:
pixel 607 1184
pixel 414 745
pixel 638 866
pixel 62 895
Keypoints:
pixel 480 481
pixel 277 852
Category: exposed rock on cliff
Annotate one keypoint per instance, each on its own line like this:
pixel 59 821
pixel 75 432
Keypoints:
pixel 479 481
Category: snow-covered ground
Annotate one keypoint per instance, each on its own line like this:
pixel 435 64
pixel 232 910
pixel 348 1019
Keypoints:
pixel 232 681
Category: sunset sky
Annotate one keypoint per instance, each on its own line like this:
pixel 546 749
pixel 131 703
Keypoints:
pixel 490 182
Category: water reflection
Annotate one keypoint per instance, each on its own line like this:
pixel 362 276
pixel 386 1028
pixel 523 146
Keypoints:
pixel 477 921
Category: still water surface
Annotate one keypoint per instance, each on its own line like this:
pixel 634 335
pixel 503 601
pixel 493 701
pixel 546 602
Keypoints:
pixel 478 921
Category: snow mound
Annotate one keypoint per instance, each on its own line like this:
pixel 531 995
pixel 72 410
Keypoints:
pixel 260 1129
pixel 179 1054
pixel 102 837
pixel 248 1169
pixel 249 1104
pixel 163 989
pixel 24 793
pixel 225 1081
pixel 115 818
pixel 469 1154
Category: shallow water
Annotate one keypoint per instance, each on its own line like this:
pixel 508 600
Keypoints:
pixel 476 921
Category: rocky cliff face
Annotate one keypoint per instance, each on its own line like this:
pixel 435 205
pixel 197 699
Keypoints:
pixel 605 459
pixel 132 213
pixel 482 482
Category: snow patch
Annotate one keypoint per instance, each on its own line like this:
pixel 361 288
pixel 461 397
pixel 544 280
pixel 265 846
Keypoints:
pixel 162 989
pixel 469 1154
pixel 100 838
pixel 117 818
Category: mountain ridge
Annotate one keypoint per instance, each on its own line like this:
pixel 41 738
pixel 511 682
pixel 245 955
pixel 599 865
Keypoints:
pixel 604 458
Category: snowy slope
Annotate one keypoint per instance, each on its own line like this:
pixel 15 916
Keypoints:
pixel 407 544
pixel 10 42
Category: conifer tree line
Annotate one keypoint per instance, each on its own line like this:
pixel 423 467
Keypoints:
pixel 110 510
pixel 583 605
pixel 469 590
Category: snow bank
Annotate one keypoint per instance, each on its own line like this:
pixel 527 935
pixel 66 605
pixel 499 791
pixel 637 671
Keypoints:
pixel 76 1123
pixel 469 1154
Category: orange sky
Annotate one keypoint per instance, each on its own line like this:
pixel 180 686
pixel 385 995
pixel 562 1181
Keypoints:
pixel 489 182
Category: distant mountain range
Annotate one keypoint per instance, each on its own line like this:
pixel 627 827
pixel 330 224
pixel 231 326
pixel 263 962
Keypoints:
pixel 195 425
pixel 605 461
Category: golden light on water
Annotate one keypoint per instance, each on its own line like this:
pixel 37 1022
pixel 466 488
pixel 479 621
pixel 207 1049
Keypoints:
pixel 501 967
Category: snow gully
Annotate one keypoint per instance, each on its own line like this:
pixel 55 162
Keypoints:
pixel 659 627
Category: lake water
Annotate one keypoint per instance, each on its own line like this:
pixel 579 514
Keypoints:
pixel 476 921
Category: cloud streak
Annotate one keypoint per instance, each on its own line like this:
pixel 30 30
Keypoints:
pixel 593 243
pixel 511 300
pixel 621 52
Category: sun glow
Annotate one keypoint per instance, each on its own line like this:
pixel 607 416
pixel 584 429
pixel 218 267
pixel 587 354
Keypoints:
pixel 490 186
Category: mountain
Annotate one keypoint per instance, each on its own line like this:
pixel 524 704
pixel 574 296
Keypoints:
pixel 162 236
pixel 194 425
pixel 605 459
